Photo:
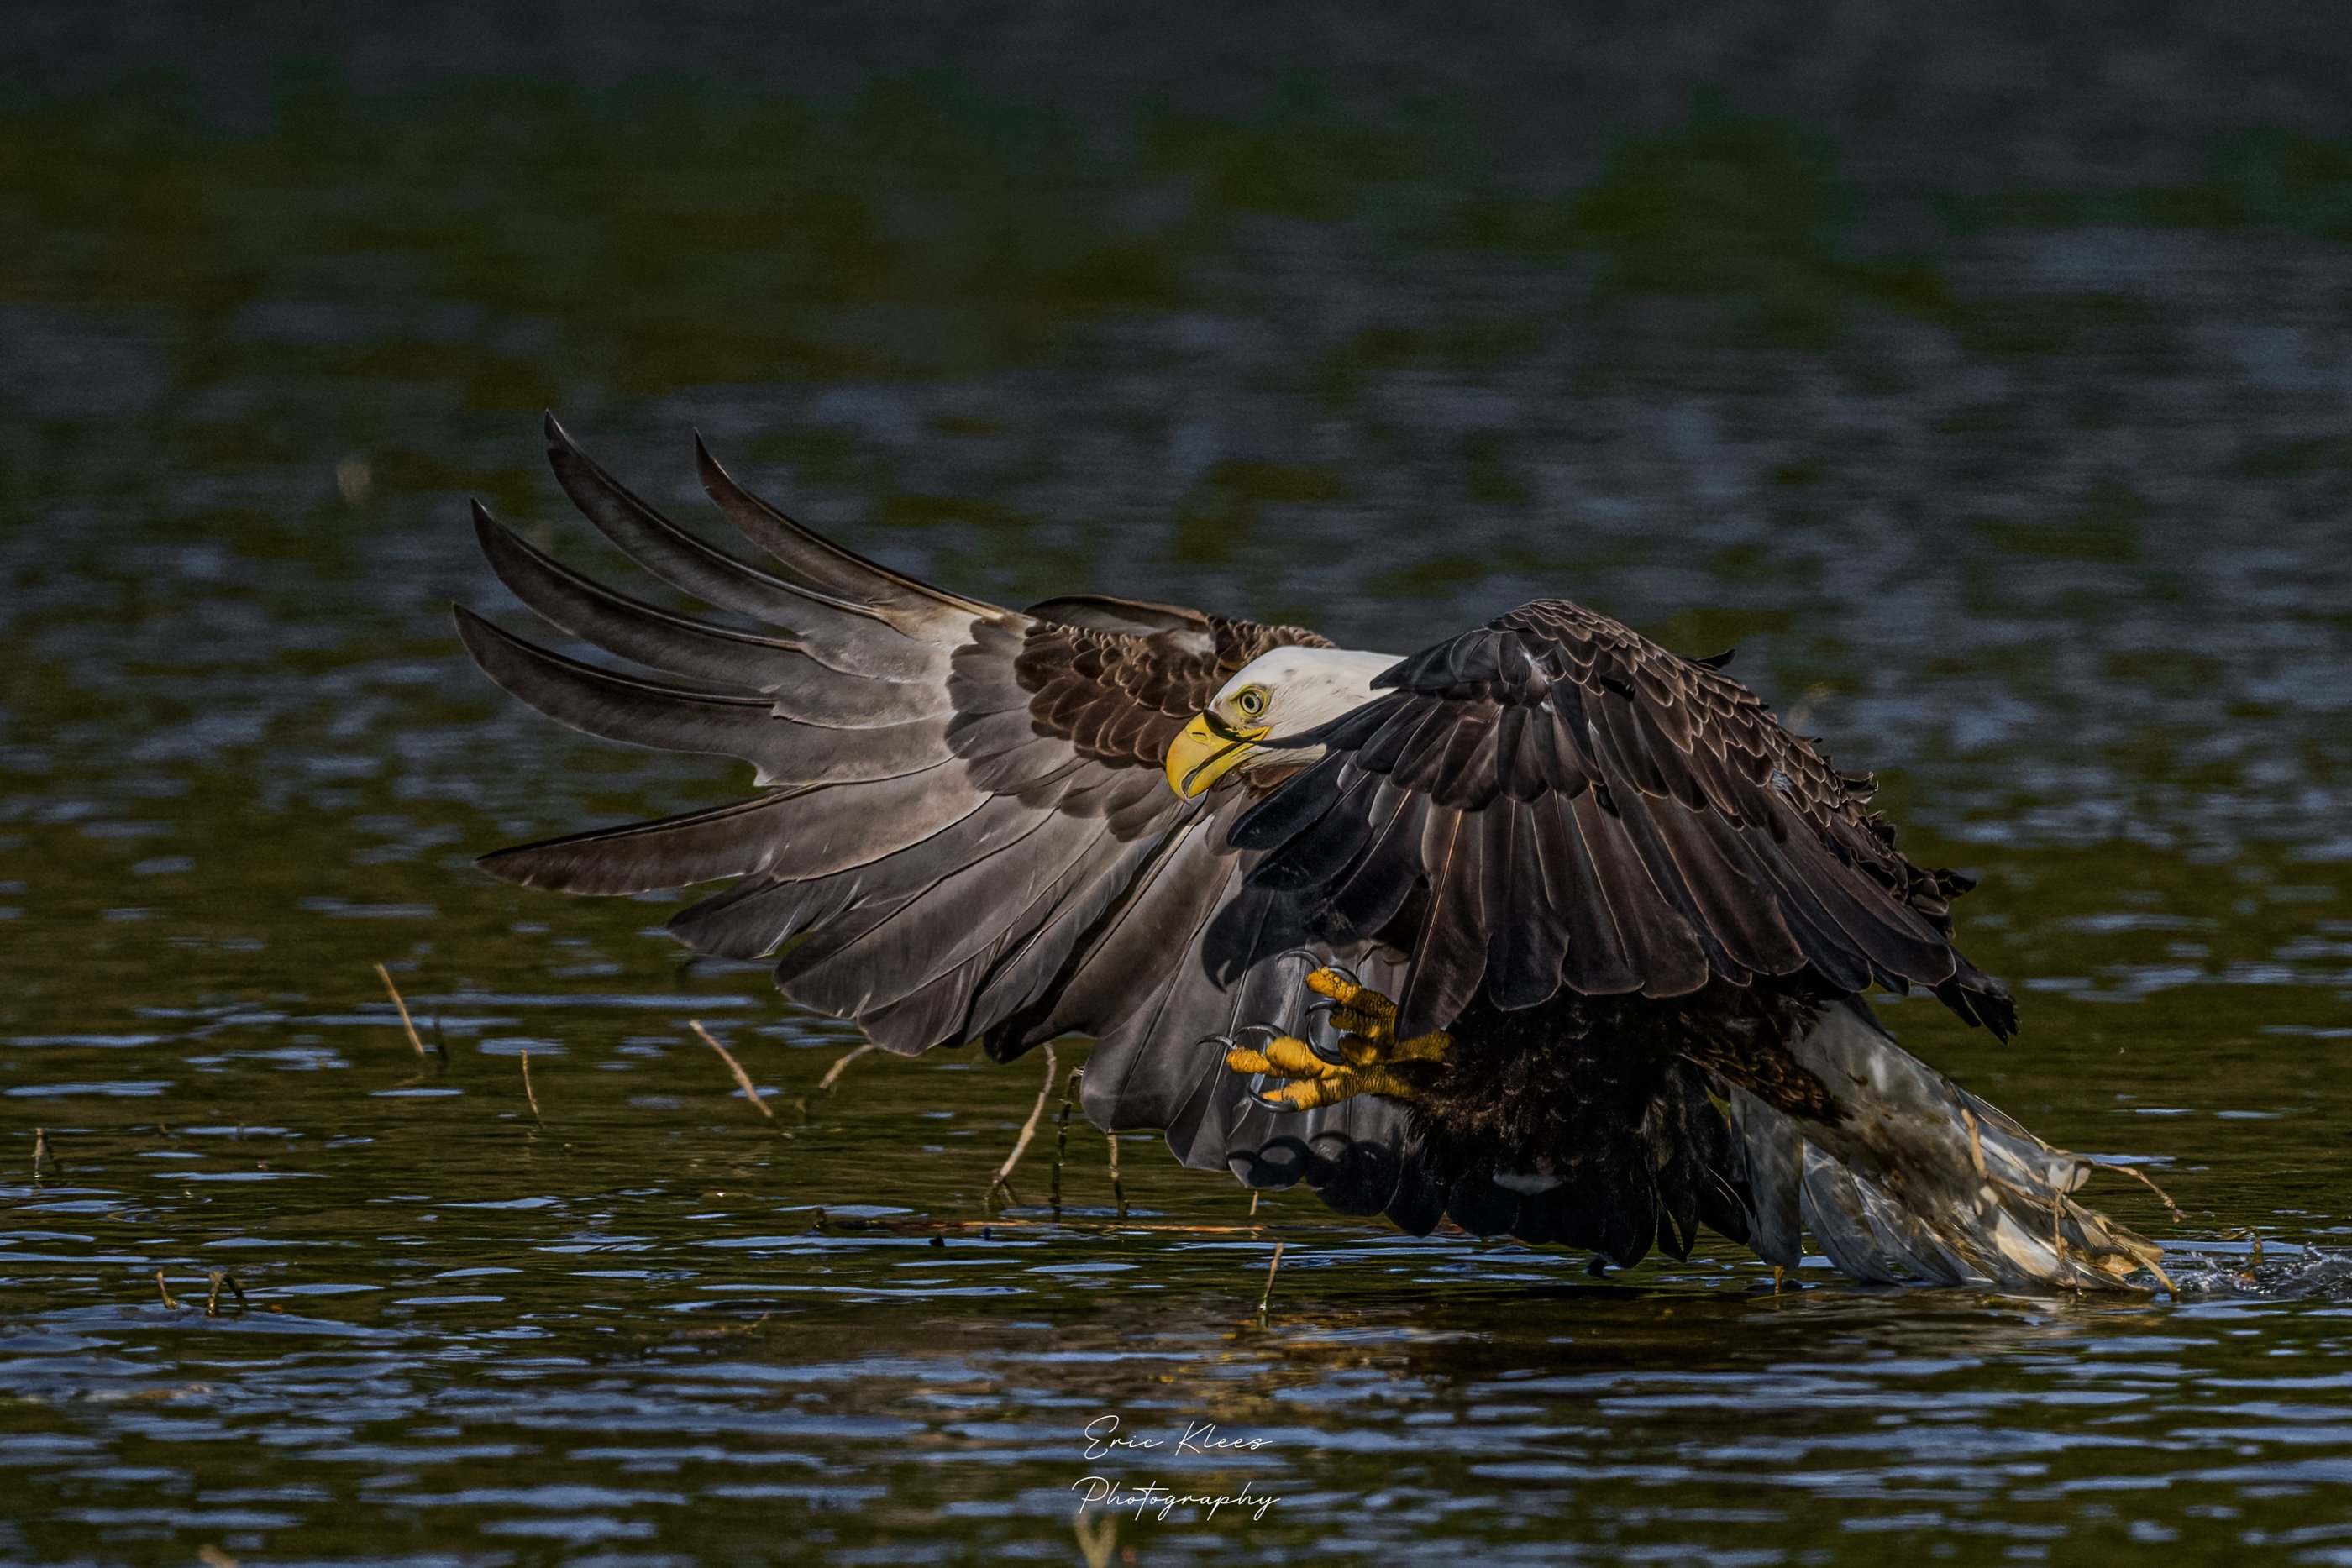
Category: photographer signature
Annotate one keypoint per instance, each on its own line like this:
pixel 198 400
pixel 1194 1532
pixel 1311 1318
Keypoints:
pixel 1104 1438
pixel 1199 1438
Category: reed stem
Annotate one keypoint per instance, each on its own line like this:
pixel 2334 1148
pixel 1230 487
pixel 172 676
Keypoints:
pixel 742 1078
pixel 1028 1131
pixel 405 1021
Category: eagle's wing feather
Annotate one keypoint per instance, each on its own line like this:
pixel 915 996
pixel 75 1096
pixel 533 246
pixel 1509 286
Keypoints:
pixel 1584 810
pixel 970 836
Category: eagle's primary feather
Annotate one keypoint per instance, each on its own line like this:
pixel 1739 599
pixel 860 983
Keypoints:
pixel 1642 909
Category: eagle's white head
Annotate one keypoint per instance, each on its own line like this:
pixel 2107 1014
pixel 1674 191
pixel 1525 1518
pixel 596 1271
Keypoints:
pixel 1287 692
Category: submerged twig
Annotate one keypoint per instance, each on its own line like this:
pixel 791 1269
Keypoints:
pixel 2150 1182
pixel 1271 1270
pixel 1097 1539
pixel 1254 1198
pixel 405 1021
pixel 42 1154
pixel 164 1290
pixel 1028 1131
pixel 750 1091
pixel 212 1300
pixel 832 1074
pixel 1062 1131
pixel 1118 1193
pixel 2254 1239
pixel 527 1091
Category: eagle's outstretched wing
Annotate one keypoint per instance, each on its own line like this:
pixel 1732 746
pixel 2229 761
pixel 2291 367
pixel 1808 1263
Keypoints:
pixel 1553 802
pixel 966 833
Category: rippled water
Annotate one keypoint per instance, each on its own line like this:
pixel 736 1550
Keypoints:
pixel 2012 450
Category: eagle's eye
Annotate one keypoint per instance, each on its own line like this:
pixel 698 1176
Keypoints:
pixel 1251 700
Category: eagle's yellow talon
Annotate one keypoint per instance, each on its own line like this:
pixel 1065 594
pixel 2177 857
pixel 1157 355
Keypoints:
pixel 1294 1058
pixel 1242 1058
pixel 1368 1049
pixel 1348 994
pixel 1359 1010
pixel 1305 1095
pixel 1332 984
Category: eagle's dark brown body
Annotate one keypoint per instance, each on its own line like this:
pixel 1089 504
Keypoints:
pixel 1617 1097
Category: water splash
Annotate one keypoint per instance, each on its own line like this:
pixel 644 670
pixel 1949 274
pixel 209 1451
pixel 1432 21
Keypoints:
pixel 2215 1271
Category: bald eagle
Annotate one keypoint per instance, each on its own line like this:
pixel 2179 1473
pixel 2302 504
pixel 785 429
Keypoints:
pixel 1543 929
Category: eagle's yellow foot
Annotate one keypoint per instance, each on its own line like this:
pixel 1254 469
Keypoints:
pixel 1371 1060
pixel 1354 1009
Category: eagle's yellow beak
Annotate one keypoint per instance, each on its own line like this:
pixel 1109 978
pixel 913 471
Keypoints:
pixel 1206 751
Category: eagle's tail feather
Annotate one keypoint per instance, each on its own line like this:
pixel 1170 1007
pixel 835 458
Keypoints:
pixel 1921 1180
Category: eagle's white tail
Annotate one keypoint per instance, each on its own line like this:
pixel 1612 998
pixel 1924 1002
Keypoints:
pixel 1921 1178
